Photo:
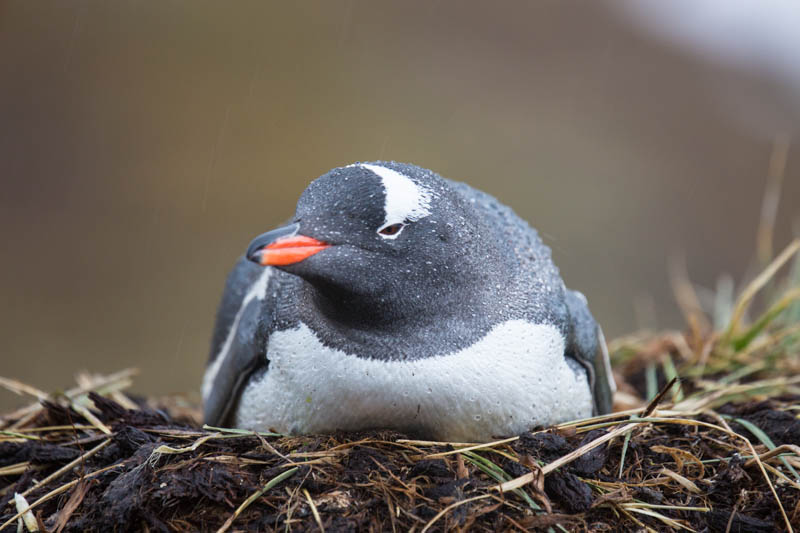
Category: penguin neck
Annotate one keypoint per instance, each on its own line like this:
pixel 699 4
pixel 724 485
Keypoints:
pixel 402 307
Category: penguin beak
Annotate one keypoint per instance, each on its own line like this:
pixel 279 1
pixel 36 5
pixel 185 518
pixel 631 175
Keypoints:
pixel 283 246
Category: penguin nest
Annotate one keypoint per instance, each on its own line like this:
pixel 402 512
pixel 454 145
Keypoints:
pixel 716 450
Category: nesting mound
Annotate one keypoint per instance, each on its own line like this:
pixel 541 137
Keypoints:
pixel 139 469
pixel 718 450
pixel 115 468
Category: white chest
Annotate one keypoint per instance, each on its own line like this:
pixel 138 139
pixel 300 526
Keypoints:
pixel 514 378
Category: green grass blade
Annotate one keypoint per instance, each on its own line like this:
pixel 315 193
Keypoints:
pixel 792 314
pixel 671 372
pixel 625 448
pixel 741 342
pixel 243 432
pixel 651 381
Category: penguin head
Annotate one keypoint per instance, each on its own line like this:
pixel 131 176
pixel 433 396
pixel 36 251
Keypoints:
pixel 379 233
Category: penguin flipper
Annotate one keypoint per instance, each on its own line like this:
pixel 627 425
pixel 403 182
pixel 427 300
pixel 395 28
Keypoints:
pixel 236 349
pixel 587 345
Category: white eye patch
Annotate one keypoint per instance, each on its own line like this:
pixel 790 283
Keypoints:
pixel 405 200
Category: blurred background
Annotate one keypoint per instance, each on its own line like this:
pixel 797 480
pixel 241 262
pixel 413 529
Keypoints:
pixel 143 144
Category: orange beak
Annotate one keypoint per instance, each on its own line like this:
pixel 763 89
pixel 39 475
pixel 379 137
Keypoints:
pixel 290 250
pixel 283 246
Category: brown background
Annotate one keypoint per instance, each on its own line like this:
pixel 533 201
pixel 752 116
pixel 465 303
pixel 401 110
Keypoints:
pixel 142 145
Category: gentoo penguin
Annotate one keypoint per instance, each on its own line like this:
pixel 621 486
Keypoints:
pixel 395 298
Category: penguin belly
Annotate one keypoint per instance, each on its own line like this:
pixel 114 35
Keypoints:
pixel 514 378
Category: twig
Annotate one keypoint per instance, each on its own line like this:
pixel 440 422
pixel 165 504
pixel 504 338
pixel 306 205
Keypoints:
pixel 451 507
pixel 471 448
pixel 783 448
pixel 56 492
pixel 67 467
pixel 314 510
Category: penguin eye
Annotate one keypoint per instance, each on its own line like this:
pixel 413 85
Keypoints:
pixel 392 230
